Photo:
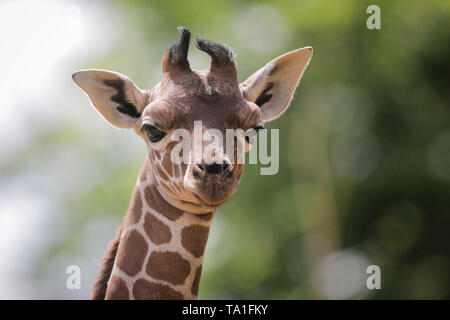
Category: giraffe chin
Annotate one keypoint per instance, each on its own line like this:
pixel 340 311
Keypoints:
pixel 211 193
pixel 214 190
pixel 212 201
pixel 187 206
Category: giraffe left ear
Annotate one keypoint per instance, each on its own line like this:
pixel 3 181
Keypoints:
pixel 273 86
pixel 114 95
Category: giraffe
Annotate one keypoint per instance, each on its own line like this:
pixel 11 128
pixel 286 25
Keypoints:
pixel 159 248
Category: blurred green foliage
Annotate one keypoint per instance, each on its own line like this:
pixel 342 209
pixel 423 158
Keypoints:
pixel 364 152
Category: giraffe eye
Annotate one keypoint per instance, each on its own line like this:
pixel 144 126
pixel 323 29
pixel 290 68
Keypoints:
pixel 250 134
pixel 154 133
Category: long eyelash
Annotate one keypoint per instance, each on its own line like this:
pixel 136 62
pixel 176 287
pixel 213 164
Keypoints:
pixel 147 126
pixel 158 133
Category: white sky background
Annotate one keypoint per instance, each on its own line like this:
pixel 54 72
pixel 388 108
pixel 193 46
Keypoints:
pixel 43 42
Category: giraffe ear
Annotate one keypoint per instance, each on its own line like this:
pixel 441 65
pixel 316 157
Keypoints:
pixel 114 95
pixel 272 87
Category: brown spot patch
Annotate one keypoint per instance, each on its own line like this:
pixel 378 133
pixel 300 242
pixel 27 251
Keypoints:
pixel 161 173
pixel 193 239
pixel 131 254
pixel 168 164
pixel 157 203
pixel 178 171
pixel 146 290
pixel 168 266
pixel 135 209
pixel 156 230
pixel 196 282
pixel 117 289
pixel 157 155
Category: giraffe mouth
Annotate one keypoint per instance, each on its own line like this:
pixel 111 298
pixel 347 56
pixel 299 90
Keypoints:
pixel 215 190
pixel 212 203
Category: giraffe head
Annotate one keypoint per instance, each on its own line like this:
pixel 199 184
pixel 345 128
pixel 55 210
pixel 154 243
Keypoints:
pixel 183 98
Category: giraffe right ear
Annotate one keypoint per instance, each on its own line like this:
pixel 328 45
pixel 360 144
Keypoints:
pixel 272 86
pixel 114 95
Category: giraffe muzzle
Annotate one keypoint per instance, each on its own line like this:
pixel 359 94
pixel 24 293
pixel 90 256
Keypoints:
pixel 213 183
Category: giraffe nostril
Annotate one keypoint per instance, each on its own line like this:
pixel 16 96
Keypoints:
pixel 216 168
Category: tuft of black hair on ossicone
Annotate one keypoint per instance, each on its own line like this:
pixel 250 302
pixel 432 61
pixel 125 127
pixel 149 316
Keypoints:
pixel 220 54
pixel 178 52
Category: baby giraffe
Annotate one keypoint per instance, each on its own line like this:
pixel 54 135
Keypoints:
pixel 158 251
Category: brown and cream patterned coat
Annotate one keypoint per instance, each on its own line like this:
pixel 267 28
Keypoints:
pixel 159 249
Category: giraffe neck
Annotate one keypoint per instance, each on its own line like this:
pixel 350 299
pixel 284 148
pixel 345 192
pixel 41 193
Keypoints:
pixel 161 248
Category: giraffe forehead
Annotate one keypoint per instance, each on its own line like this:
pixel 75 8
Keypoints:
pixel 197 106
pixel 195 94
pixel 200 83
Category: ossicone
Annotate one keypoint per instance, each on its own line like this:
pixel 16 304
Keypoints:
pixel 176 56
pixel 221 55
